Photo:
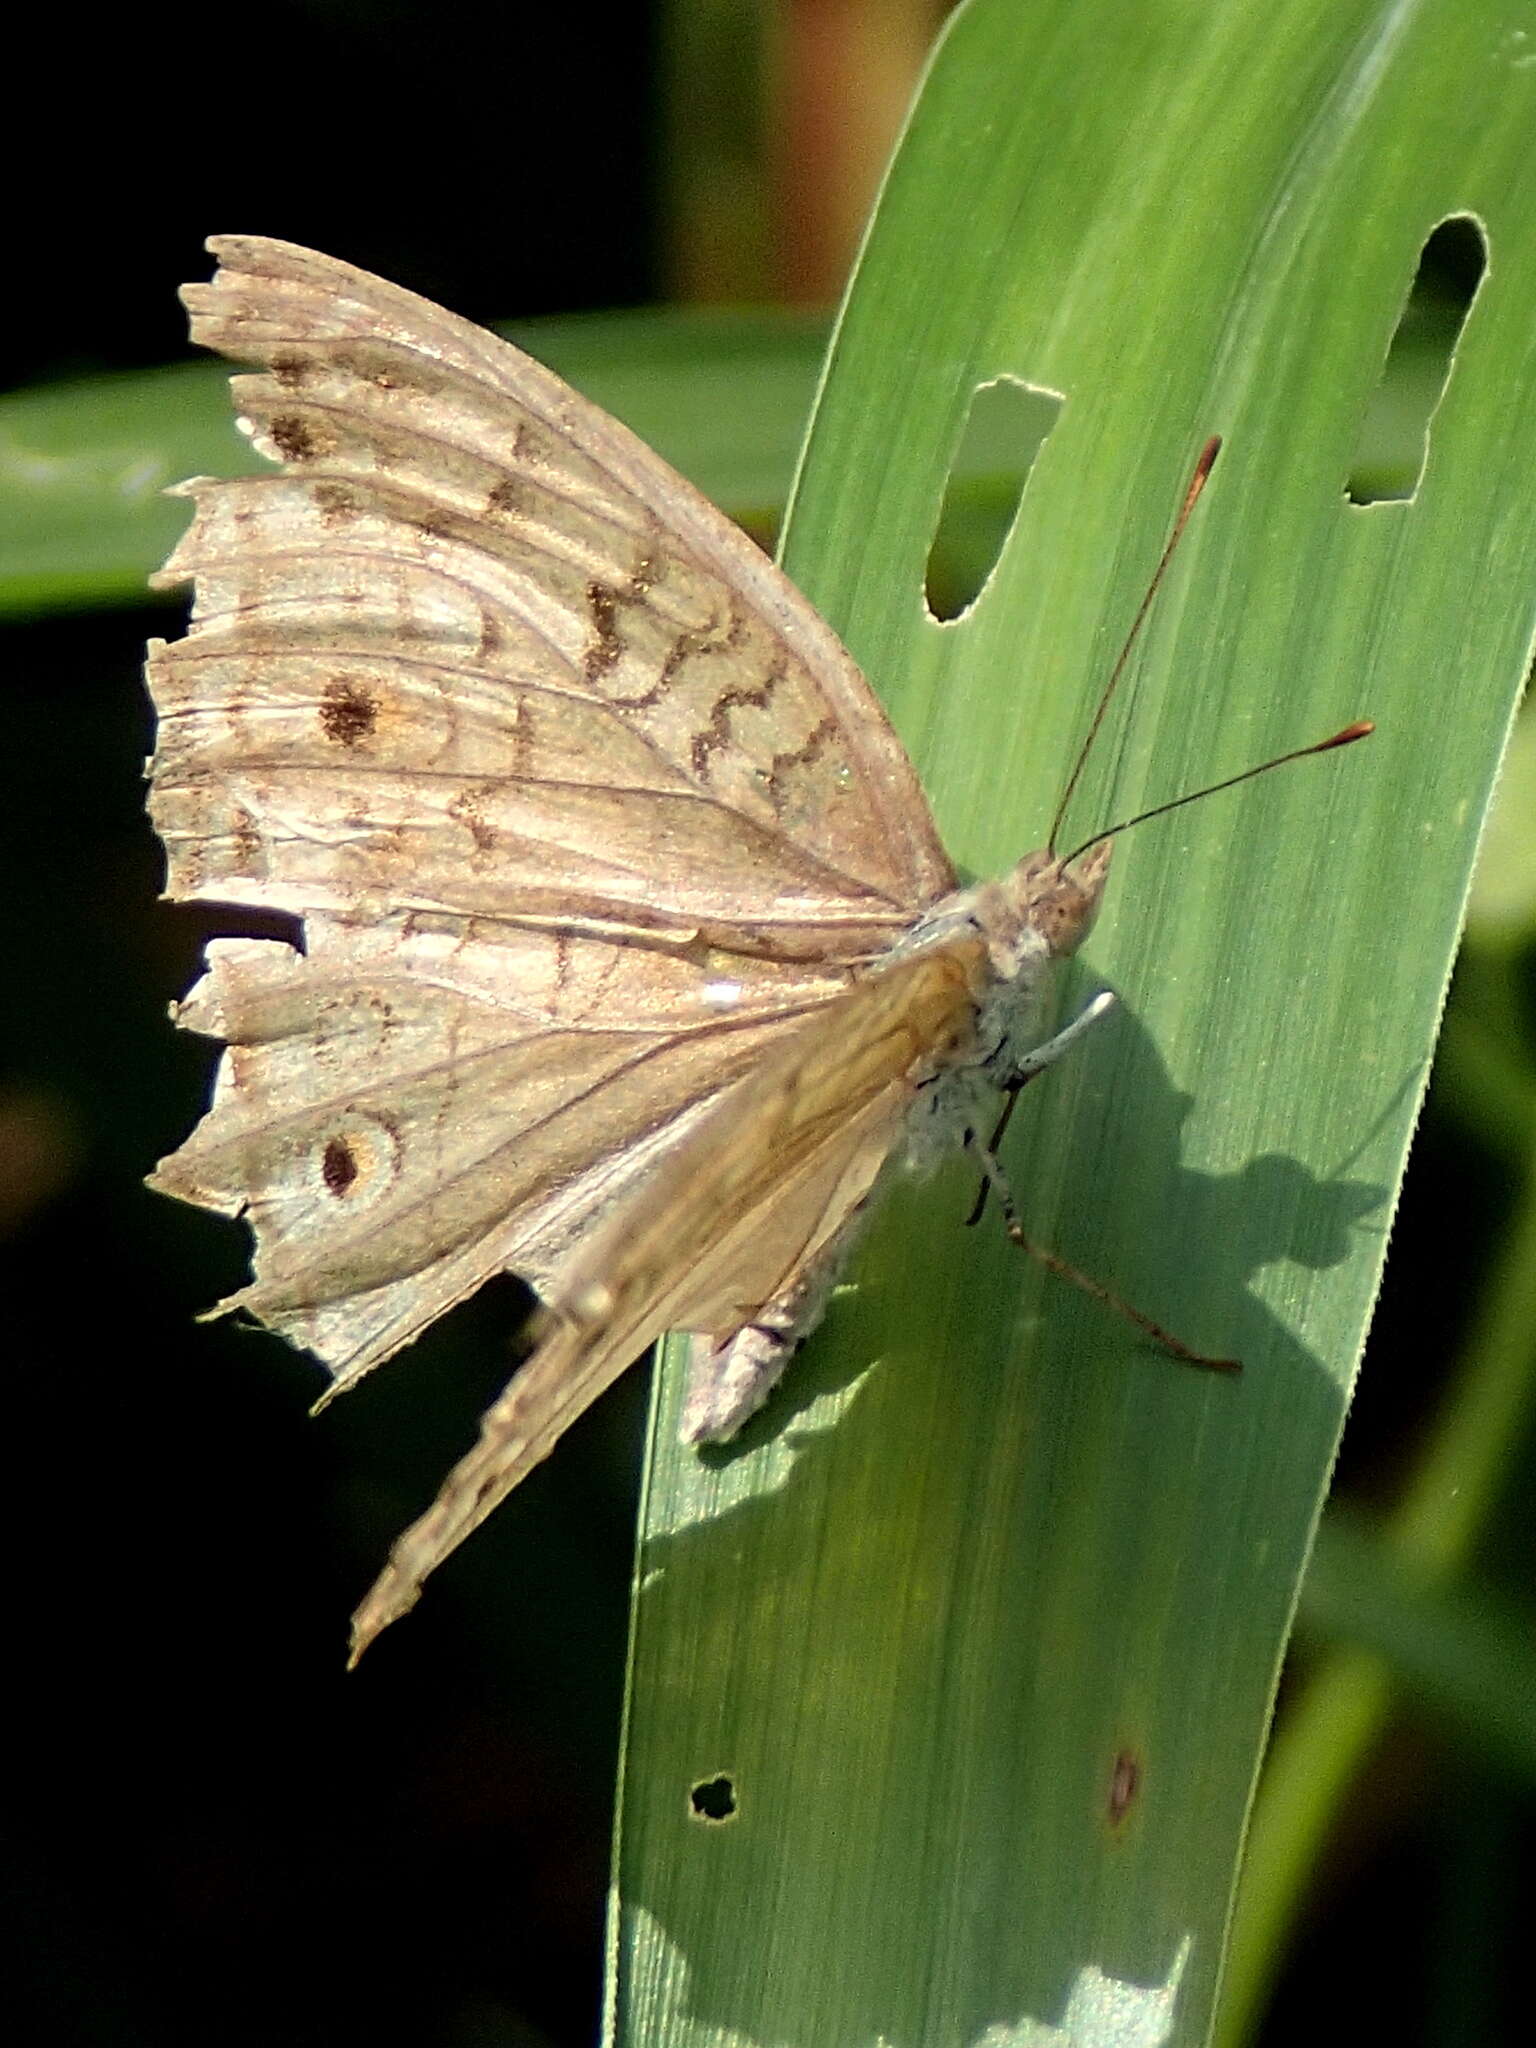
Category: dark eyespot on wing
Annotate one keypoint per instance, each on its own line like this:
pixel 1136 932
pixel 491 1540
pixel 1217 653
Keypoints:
pixel 338 1166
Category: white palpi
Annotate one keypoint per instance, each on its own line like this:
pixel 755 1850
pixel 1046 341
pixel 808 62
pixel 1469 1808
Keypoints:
pixel 630 951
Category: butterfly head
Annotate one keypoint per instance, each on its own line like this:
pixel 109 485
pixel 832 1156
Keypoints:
pixel 1039 912
pixel 1059 899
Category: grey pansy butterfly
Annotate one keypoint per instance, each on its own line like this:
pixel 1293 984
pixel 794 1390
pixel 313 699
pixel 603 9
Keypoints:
pixel 631 954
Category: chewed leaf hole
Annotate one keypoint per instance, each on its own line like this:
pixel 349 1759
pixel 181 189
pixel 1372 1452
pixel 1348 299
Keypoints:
pixel 1393 446
pixel 713 1799
pixel 1004 431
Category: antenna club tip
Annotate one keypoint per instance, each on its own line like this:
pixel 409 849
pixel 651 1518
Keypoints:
pixel 1361 729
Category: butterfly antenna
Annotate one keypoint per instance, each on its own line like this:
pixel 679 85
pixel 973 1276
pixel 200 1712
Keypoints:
pixel 1203 468
pixel 1358 731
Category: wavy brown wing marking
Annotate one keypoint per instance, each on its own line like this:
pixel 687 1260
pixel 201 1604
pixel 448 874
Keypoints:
pixel 803 1135
pixel 405 1110
pixel 475 650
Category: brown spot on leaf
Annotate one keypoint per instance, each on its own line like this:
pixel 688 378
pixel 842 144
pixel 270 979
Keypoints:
pixel 347 713
pixel 1124 1784
pixel 338 1166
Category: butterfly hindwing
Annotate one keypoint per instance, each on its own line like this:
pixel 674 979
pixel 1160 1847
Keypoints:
pixel 754 1191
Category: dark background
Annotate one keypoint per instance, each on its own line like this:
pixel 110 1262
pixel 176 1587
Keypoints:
pixel 212 1835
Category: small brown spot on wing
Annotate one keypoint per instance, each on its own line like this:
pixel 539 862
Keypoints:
pixel 246 838
pixel 686 644
pixel 492 639
pixel 348 714
pixel 298 439
pixel 466 809
pixel 290 371
pixel 335 502
pixel 607 642
pixel 507 497
pixel 338 1166
pixel 373 364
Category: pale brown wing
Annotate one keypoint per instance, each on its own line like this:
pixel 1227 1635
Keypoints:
pixel 581 804
pixel 476 649
pixel 703 1245
pixel 402 1112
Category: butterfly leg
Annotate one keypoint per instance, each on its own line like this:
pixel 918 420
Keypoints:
pixel 1055 1263
pixel 1042 1056
pixel 1035 1062
pixel 729 1382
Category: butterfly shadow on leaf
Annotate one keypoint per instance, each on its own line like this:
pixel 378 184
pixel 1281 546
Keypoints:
pixel 1181 1244
pixel 970 1443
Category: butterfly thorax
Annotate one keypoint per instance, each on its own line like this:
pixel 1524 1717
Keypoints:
pixel 1030 918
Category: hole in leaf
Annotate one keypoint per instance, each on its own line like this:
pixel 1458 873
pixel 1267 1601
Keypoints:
pixel 1394 433
pixel 1005 430
pixel 713 1799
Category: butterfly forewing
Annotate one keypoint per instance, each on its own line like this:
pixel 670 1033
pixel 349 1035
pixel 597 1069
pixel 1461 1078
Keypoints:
pixel 649 706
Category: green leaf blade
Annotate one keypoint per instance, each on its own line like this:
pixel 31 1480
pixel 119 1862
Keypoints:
pixel 984 1620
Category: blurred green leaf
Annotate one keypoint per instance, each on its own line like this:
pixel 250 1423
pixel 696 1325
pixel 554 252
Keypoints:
pixel 1503 905
pixel 83 466
pixel 1468 1657
pixel 1400 1619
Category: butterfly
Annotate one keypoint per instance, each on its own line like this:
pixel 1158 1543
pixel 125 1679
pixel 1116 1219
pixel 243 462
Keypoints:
pixel 631 956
